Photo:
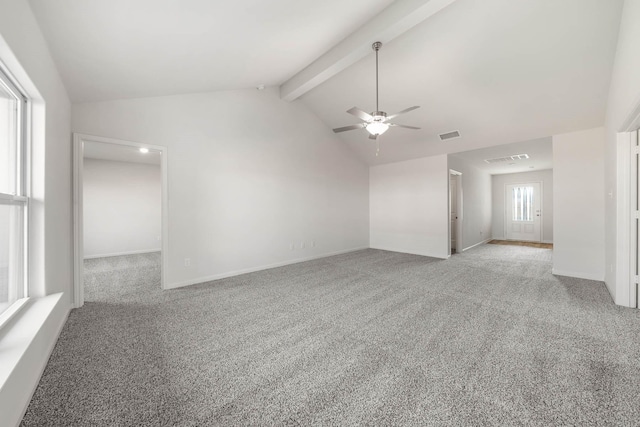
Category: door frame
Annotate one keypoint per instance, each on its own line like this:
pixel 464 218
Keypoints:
pixel 459 207
pixel 624 285
pixel 78 220
pixel 506 205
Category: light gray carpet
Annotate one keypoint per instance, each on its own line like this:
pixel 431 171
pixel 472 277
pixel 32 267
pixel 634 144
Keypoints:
pixel 488 337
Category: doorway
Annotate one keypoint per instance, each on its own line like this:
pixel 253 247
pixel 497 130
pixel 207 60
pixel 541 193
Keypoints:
pixel 120 215
pixel 523 212
pixel 455 212
pixel 634 260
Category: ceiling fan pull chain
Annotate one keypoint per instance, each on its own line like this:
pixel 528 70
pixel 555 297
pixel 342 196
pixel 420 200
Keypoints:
pixel 377 146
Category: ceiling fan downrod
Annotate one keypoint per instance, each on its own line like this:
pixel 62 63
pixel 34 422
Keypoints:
pixel 376 46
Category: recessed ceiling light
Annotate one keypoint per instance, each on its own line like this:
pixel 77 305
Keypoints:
pixel 261 87
pixel 144 150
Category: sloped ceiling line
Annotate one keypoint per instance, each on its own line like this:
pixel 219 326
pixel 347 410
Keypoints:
pixel 393 21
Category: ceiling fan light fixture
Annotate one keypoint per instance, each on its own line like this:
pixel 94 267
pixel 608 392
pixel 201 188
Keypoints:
pixel 377 122
pixel 377 128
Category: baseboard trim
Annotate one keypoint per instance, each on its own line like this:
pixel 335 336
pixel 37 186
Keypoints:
pixel 587 276
pixel 205 279
pixel 144 251
pixel 477 244
pixel 402 251
pixel 35 332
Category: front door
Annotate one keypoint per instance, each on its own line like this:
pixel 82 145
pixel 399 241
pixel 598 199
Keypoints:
pixel 523 216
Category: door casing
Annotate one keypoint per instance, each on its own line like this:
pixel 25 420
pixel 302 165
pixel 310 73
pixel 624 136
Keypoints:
pixel 78 223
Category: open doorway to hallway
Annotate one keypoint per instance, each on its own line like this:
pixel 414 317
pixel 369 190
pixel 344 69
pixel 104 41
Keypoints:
pixel 508 193
pixel 455 211
pixel 119 198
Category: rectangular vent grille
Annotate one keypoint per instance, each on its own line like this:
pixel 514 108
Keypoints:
pixel 508 158
pixel 449 135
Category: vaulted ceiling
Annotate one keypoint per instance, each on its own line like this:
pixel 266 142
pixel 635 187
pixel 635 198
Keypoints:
pixel 499 71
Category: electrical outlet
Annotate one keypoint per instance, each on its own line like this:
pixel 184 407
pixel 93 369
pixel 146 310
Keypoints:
pixel 291 246
pixel 187 262
pixel 301 245
pixel 313 243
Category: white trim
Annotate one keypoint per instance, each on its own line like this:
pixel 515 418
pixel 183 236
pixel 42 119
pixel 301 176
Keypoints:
pixel 53 340
pixel 78 232
pixel 404 251
pixel 205 279
pixel 620 289
pixel 33 335
pixel 623 289
pixel 632 122
pixel 477 244
pixel 10 312
pixel 143 251
pixel 13 198
pixel 459 209
pixel 580 275
pixel 78 251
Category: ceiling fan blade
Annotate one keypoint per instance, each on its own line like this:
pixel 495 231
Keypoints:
pixel 361 114
pixel 345 128
pixel 373 136
pixel 402 112
pixel 403 126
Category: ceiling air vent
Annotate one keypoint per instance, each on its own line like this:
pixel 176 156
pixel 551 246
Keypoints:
pixel 449 135
pixel 508 158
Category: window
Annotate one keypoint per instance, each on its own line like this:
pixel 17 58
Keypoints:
pixel 522 203
pixel 13 194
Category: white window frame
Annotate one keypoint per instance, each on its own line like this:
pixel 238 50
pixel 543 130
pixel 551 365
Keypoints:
pixel 21 197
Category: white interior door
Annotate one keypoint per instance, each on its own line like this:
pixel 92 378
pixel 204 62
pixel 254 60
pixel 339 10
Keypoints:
pixel 523 214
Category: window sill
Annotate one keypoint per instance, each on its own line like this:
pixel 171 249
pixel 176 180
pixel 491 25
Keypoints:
pixel 9 313
pixel 26 341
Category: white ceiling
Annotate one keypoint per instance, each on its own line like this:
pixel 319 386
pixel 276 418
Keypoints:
pixel 499 71
pixel 120 153
pixel 539 152
pixel 130 49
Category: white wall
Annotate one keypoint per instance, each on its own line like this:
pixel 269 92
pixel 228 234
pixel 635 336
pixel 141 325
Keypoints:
pixel 409 209
pixel 249 176
pixel 476 203
pixel 624 97
pixel 24 51
pixel 500 181
pixel 122 207
pixel 578 201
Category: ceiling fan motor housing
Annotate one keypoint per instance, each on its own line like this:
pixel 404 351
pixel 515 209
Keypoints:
pixel 379 116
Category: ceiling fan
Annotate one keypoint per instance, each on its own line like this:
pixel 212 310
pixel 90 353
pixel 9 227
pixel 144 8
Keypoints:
pixel 377 122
